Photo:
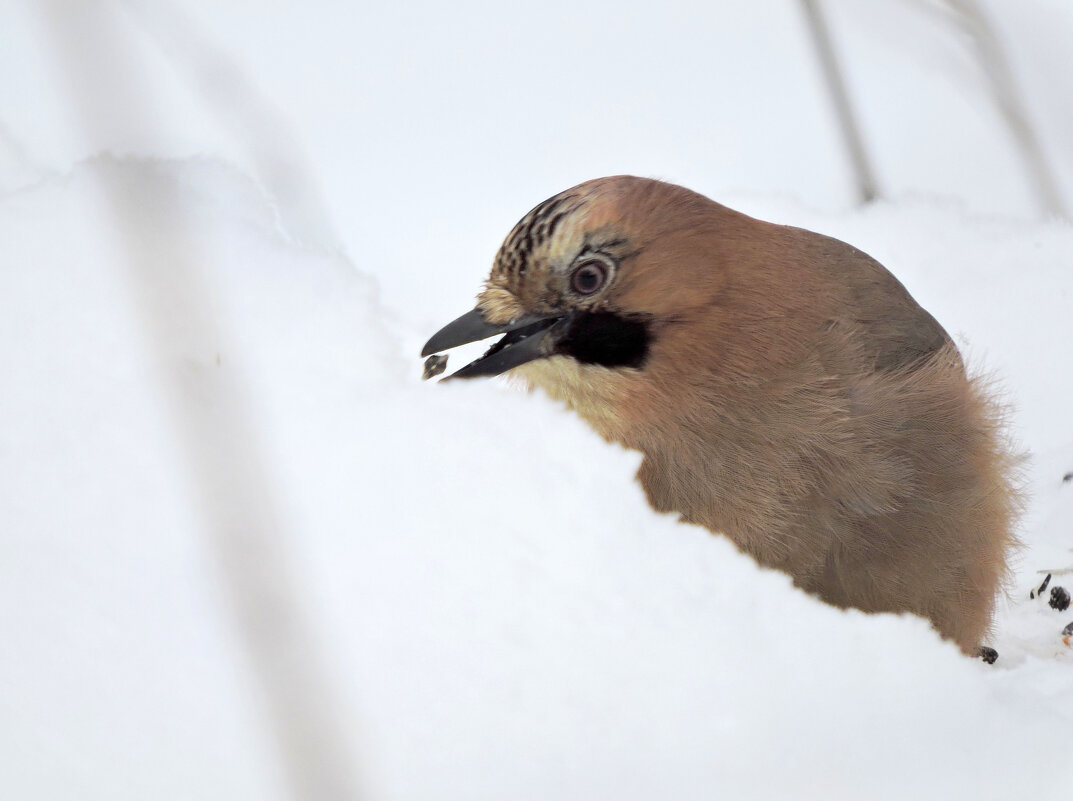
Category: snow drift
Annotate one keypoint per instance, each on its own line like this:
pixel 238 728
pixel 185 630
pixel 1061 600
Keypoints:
pixel 502 613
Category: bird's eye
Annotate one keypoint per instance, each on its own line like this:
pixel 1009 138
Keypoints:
pixel 588 277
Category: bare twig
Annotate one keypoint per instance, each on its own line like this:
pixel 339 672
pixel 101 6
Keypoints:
pixel 1004 90
pixel 210 411
pixel 832 73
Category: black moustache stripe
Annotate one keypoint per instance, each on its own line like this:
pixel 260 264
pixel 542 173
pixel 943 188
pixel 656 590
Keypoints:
pixel 607 339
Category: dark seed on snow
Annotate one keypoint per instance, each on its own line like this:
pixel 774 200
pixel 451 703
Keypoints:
pixel 1059 599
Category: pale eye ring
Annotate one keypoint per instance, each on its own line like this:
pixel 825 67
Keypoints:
pixel 589 277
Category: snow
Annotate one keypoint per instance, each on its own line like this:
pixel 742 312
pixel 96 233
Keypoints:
pixel 213 310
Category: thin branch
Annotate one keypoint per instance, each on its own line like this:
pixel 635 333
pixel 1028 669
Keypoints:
pixel 836 85
pixel 1005 93
pixel 211 412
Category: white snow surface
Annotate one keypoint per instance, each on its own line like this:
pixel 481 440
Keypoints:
pixel 500 613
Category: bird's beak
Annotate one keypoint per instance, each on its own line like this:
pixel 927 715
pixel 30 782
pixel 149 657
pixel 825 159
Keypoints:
pixel 527 338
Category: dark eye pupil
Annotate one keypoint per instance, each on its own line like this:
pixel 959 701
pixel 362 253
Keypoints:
pixel 588 279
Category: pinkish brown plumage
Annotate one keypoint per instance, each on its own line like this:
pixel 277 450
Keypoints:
pixel 785 390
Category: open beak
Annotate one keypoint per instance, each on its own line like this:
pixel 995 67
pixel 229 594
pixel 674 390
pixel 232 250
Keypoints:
pixel 527 338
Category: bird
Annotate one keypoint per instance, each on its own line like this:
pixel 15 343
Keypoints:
pixel 784 389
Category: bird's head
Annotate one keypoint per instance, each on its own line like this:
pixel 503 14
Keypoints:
pixel 592 285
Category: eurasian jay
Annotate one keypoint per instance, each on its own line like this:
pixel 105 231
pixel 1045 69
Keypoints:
pixel 785 390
